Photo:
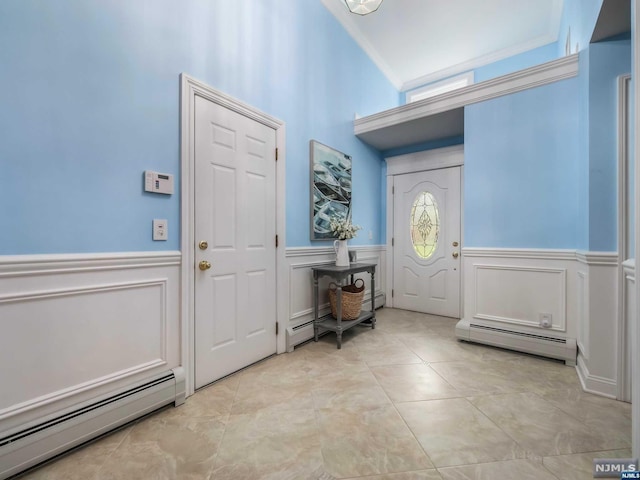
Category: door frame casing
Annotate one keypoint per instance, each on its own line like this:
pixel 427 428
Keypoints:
pixel 189 89
pixel 623 132
pixel 420 162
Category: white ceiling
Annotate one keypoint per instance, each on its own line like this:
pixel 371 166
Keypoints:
pixel 415 42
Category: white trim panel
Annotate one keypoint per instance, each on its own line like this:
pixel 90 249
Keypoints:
pixel 82 325
pixel 425 160
pixel 594 384
pixel 517 295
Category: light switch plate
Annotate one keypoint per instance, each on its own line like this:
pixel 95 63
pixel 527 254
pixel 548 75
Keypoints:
pixel 160 231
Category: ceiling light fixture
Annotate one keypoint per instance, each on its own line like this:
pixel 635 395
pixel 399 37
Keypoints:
pixel 363 7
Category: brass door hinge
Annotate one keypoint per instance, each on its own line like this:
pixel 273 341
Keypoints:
pixel 276 154
pixel 277 241
pixel 277 328
pixel 392 293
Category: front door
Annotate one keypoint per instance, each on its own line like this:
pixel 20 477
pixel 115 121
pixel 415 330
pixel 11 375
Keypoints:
pixel 426 244
pixel 235 229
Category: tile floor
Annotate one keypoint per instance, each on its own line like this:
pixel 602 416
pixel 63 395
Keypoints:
pixel 405 401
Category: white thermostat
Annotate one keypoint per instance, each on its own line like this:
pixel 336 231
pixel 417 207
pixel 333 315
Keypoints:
pixel 158 182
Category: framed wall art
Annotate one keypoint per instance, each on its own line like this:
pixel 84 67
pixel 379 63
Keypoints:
pixel 330 188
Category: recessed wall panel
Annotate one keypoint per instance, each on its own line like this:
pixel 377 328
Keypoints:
pixel 411 282
pixel 438 285
pixel 224 294
pixel 256 211
pixel 224 207
pixel 256 300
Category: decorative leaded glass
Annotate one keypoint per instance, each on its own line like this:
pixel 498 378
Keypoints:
pixel 424 224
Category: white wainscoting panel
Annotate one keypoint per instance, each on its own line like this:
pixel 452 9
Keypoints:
pixel 582 306
pixel 598 358
pixel 512 287
pixel 625 334
pixel 519 294
pixel 300 261
pixel 78 326
pixel 509 288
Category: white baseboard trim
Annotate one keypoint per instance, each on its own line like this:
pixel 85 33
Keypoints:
pixel 604 387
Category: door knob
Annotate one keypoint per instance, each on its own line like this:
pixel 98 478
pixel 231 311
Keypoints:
pixel 455 254
pixel 204 265
pixel 203 245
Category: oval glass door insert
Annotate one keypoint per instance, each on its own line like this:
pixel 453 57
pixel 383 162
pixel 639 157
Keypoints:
pixel 425 225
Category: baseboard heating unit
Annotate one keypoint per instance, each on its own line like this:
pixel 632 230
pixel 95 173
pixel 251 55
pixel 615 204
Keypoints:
pixel 547 346
pixel 42 439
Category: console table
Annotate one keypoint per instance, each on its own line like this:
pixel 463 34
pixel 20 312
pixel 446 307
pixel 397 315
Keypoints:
pixel 339 275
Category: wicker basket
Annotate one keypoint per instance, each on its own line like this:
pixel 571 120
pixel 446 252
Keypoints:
pixel 352 296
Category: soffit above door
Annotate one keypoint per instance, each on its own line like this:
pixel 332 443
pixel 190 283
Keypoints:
pixel 442 116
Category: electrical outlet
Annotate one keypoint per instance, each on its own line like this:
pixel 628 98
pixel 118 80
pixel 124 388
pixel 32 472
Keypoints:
pixel 546 320
pixel 160 230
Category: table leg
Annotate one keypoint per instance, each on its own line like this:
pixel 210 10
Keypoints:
pixel 315 308
pixel 373 298
pixel 339 315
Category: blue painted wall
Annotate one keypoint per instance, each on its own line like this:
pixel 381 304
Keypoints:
pixel 521 61
pixel 90 99
pixel 521 165
pixel 607 60
pixel 511 64
pixel 579 18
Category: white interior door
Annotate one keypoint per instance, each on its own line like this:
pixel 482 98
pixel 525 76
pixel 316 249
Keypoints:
pixel 426 243
pixel 235 214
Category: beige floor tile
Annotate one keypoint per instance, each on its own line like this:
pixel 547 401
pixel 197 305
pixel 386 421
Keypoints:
pixel 359 441
pixel 542 428
pixel 408 383
pixel 540 375
pixel 373 338
pixel 599 413
pixel 388 354
pixel 439 349
pixel 81 464
pixel 255 396
pixel 320 413
pixel 417 475
pixel 341 388
pixel 167 447
pixel 275 385
pixel 454 432
pixel 269 445
pixel 514 469
pixel 579 466
pixel 211 401
pixel 479 377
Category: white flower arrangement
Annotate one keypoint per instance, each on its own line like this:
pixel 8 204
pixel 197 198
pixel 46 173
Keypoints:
pixel 343 229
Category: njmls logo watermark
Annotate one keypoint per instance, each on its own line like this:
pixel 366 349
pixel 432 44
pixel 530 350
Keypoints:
pixel 615 468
